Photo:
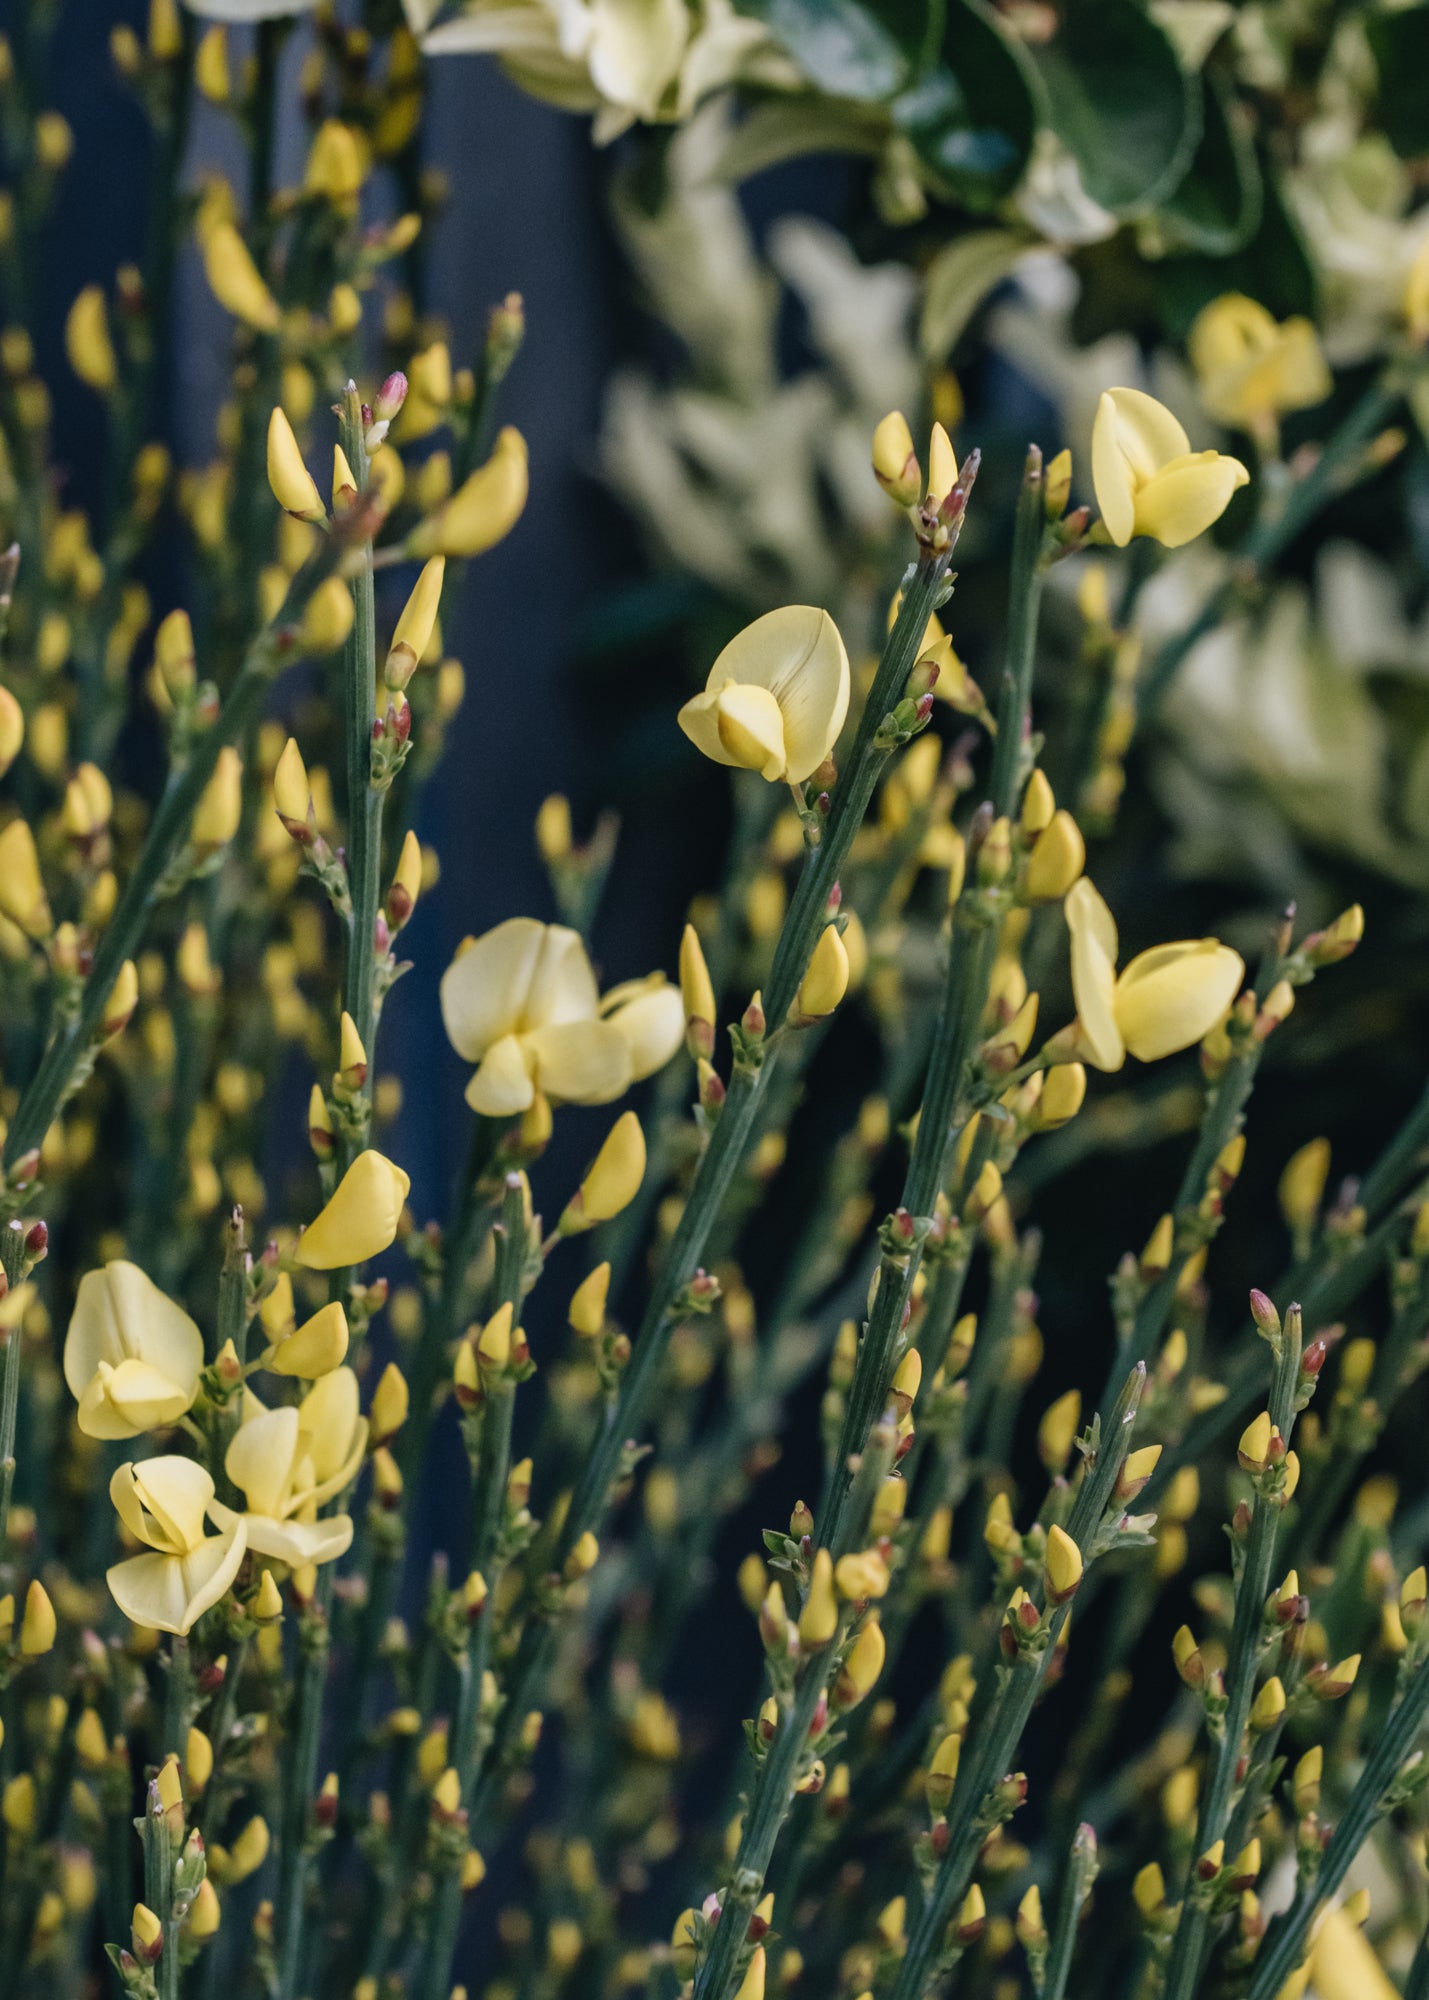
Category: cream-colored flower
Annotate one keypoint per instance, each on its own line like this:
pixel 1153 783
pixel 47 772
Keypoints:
pixel 1166 999
pixel 132 1357
pixel 1148 480
pixel 287 1463
pixel 183 1572
pixel 1251 366
pixel 776 697
pixel 522 1002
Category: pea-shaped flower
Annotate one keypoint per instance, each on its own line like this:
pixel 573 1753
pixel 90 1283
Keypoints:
pixel 183 1572
pixel 1250 366
pixel 361 1217
pixel 271 1461
pixel 776 697
pixel 132 1357
pixel 1166 999
pixel 1148 480
pixel 522 1003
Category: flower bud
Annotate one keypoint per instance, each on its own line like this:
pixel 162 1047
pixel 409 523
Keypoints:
pixel 613 1179
pixel 895 463
pixel 292 484
pixel 416 624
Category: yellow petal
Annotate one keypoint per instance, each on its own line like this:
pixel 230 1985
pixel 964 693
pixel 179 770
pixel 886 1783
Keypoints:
pixel 121 1402
pixel 360 1221
pixel 1343 1964
pixel 162 1501
pixel 1169 997
pixel 562 986
pixel 261 1458
pixel 484 509
pixel 613 1179
pixel 1094 948
pixel 318 1345
pixel 751 728
pixel 485 988
pixel 170 1593
pixel 652 1026
pixel 580 1062
pixel 503 1086
pixel 1187 497
pixel 332 1432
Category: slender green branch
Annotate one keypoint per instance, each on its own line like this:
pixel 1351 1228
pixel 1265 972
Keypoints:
pixel 1285 1946
pixel 997 1733
pixel 1076 1887
pixel 12 1256
pixel 924 591
pixel 1247 1636
pixel 274 648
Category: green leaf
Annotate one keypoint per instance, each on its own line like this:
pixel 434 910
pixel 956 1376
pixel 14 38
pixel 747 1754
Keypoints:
pixel 865 49
pixel 957 281
pixel 1217 207
pixel 1400 43
pixel 1274 267
pixel 1117 98
pixel 972 118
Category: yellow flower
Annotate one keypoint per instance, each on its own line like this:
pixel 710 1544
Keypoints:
pixel 294 487
pixel 37 1626
pixel 414 627
pixel 360 1220
pixel 826 981
pixel 522 1003
pixel 131 1356
pixel 1167 999
pixel 12 729
pixel 776 697
pixel 87 341
pixel 612 1180
pixel 22 889
pixel 273 1461
pixel 1249 366
pixel 1148 480
pixel 220 805
pixel 317 1347
pixel 484 509
pixel 1343 1964
pixel 234 278
pixel 183 1572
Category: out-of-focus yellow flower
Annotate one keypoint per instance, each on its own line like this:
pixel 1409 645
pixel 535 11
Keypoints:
pixel 1343 1964
pixel 776 697
pixel 12 729
pixel 1251 366
pixel 131 1356
pixel 522 1002
pixel 484 509
pixel 220 805
pixel 336 165
pixel 87 341
pixel 1148 480
pixel 1166 999
pixel 234 278
pixel 328 617
pixel 22 890
pixel 38 1625
pixel 360 1220
pixel 183 1572
pixel 273 1462
pixel 613 1179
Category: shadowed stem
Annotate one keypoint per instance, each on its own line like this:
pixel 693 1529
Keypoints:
pixel 1189 1944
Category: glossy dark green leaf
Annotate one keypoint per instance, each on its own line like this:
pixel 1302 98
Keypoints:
pixel 1400 42
pixel 1217 207
pixel 972 117
pixel 864 49
pixel 1274 267
pixel 1118 99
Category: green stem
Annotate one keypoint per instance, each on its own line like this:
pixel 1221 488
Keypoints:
pixel 295 1853
pixel 1286 1944
pixel 1023 607
pixel 364 800
pixel 272 649
pixel 1247 1633
pixel 802 924
pixel 994 1741
pixel 1270 538
pixel 1081 1870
